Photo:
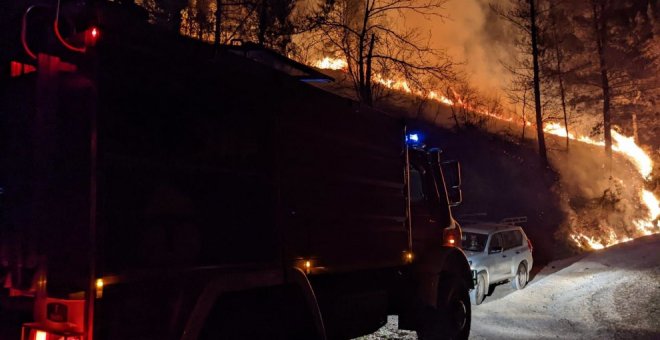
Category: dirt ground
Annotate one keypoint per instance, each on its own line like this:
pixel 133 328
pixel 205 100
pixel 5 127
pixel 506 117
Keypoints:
pixel 608 294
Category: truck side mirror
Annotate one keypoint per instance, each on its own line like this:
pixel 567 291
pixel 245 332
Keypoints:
pixel 452 173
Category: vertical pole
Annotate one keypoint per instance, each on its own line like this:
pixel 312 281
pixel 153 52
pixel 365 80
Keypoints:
pixel 93 159
pixel 406 174
pixel 92 220
pixel 43 134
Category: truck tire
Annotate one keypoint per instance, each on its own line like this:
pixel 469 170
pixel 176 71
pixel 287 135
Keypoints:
pixel 520 280
pixel 451 319
pixel 478 294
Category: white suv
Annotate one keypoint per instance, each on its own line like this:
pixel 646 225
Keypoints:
pixel 496 253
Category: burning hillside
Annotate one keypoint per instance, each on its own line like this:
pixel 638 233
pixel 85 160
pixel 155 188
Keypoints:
pixel 624 210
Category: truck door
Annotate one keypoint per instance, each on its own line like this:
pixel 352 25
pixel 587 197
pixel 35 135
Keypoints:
pixel 429 209
pixel 424 226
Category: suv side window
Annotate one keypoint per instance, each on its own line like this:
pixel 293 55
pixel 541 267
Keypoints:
pixel 495 242
pixel 512 239
pixel 518 237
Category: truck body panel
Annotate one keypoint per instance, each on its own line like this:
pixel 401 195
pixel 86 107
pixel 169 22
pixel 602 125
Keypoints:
pixel 193 179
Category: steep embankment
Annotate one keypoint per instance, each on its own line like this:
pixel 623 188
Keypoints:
pixel 583 200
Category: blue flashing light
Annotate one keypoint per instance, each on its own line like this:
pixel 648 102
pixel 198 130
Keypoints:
pixel 413 139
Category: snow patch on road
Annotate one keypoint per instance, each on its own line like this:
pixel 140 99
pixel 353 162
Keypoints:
pixel 609 294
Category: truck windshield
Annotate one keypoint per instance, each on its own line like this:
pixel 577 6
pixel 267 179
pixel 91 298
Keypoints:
pixel 473 241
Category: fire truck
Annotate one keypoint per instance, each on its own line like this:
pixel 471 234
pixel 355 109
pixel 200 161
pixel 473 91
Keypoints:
pixel 158 187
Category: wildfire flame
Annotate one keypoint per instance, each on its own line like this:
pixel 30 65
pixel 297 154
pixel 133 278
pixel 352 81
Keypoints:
pixel 328 63
pixel 623 145
pixel 627 147
pixel 646 225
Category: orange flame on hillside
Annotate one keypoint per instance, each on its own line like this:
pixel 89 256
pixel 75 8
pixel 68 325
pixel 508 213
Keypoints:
pixel 627 147
pixel 328 63
pixel 623 145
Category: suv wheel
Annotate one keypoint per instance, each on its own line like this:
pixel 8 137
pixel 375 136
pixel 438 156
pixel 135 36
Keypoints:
pixel 520 280
pixel 478 294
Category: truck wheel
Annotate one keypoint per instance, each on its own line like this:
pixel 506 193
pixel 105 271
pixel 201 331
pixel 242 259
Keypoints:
pixel 451 319
pixel 520 280
pixel 479 292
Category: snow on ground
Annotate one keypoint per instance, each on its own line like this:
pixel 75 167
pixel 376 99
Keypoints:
pixel 609 294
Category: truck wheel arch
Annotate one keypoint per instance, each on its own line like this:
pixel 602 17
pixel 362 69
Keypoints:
pixel 221 286
pixel 440 262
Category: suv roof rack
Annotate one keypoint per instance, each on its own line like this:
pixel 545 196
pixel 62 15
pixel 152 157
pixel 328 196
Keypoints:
pixel 514 220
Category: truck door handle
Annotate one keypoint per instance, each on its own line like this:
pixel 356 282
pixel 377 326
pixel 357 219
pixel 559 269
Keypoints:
pixel 518 252
pixel 503 255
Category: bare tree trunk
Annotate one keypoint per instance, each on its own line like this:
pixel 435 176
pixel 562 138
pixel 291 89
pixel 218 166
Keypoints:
pixel 361 55
pixel 601 38
pixel 466 114
pixel 453 114
pixel 368 93
pixel 563 104
pixel 263 17
pixel 634 119
pixel 218 25
pixel 537 87
pixel 437 114
pixel 635 128
pixel 560 77
pixel 524 106
pixel 449 93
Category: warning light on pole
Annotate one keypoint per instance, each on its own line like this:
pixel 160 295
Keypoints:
pixel 91 36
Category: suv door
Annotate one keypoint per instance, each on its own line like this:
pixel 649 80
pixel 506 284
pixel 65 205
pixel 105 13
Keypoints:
pixel 513 250
pixel 497 259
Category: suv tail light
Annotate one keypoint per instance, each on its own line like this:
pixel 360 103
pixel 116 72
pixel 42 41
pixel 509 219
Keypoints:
pixel 529 245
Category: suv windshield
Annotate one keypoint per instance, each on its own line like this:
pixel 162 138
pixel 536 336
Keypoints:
pixel 473 241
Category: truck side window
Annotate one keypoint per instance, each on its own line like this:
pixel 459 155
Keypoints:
pixel 416 186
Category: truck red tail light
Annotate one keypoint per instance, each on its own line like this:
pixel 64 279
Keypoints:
pixel 17 69
pixel 529 245
pixel 451 237
pixel 92 35
pixel 30 333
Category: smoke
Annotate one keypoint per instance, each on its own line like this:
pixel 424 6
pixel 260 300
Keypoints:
pixel 473 35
